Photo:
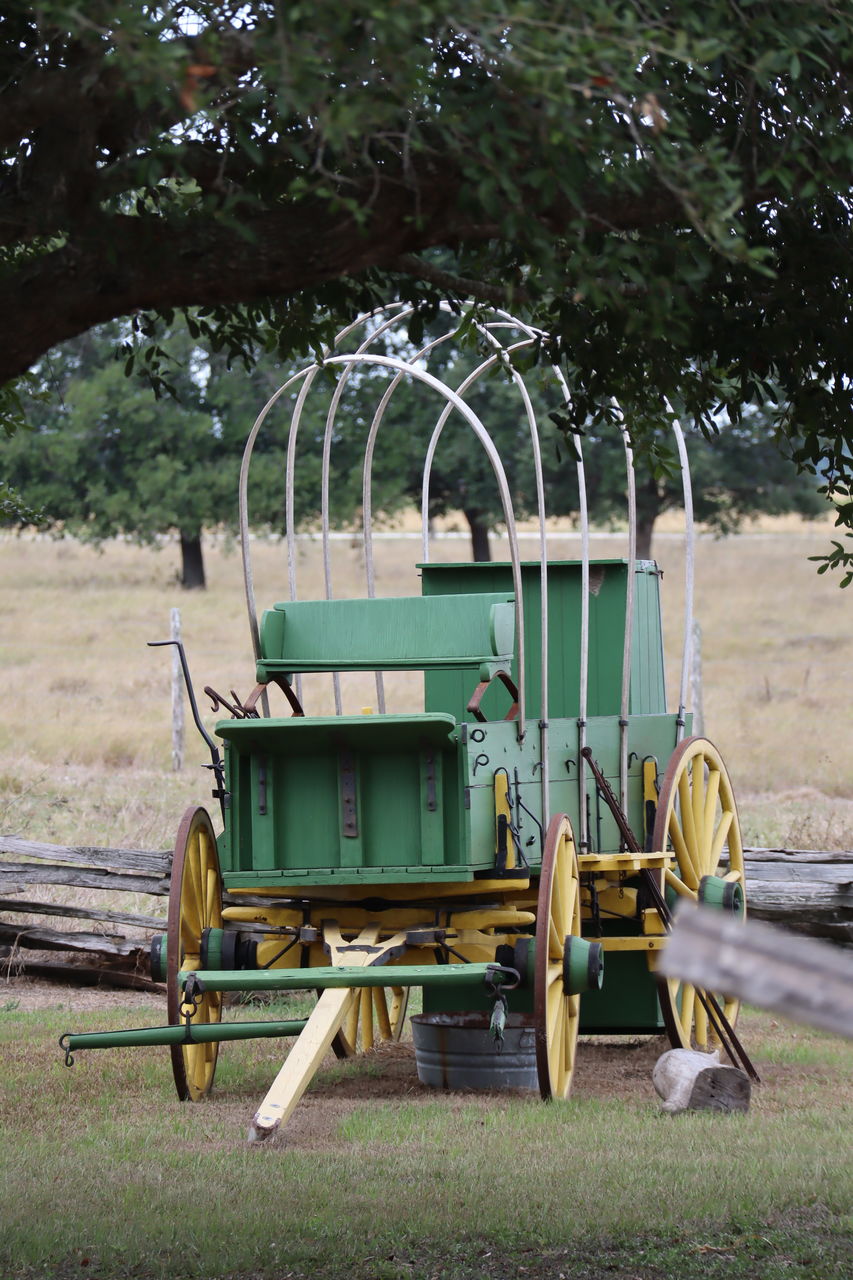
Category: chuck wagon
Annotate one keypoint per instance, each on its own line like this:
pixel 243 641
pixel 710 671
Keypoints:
pixel 512 847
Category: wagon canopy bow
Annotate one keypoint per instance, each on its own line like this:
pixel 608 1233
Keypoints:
pixel 376 327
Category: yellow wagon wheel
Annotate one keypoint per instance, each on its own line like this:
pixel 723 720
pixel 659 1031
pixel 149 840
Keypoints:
pixel 697 819
pixel 376 1014
pixel 195 904
pixel 558 919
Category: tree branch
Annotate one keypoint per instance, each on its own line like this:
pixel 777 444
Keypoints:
pixel 411 265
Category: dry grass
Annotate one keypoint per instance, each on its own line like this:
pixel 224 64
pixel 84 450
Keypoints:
pixel 85 738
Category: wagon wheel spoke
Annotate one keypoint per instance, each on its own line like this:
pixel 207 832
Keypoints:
pixel 195 904
pixel 376 1014
pixel 697 820
pixel 558 917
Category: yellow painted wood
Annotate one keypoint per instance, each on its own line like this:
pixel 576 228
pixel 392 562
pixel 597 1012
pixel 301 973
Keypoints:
pixel 652 923
pixel 275 917
pixel 196 900
pixel 502 809
pixel 311 1047
pixel 633 943
pixel 407 891
pixel 614 900
pixel 492 918
pixel 316 1038
pixel 383 1020
pixel 558 917
pixel 279 952
pixel 623 861
pixel 679 886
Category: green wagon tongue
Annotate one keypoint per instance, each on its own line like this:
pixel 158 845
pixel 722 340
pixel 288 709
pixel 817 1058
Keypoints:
pixel 188 1033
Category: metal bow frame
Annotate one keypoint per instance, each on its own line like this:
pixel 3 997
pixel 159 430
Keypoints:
pixel 503 336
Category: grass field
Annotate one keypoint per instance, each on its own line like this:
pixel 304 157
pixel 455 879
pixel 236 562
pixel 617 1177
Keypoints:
pixel 85 736
pixel 106 1175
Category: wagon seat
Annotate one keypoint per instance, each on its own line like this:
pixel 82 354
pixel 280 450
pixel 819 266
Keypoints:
pixel 355 799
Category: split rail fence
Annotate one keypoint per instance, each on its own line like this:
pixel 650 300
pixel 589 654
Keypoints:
pixel 808 891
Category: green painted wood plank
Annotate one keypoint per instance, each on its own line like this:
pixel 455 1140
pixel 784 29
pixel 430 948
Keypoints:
pixel 474 631
pixel 299 736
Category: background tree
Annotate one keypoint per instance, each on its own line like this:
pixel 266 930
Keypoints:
pixel 737 475
pixel 666 190
pixel 105 456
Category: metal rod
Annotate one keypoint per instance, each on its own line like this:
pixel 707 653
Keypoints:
pixel 195 1033
pixel 689 560
pixel 544 773
pixel 421 375
pixel 337 976
pixel 627 651
pixel 243 503
pixel 328 435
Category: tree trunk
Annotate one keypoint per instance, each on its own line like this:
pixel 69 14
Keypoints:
pixel 645 528
pixel 649 506
pixel 192 561
pixel 480 549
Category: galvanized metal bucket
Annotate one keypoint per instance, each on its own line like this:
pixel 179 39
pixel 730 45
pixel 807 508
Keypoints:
pixel 458 1051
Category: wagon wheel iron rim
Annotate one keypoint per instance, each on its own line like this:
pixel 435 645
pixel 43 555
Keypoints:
pixel 376 1015
pixel 558 918
pixel 697 820
pixel 195 904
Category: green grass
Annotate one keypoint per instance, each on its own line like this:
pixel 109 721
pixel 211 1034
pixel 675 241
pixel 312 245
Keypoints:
pixel 107 1165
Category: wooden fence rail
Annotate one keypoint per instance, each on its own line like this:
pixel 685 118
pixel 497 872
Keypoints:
pixel 807 890
pixel 803 979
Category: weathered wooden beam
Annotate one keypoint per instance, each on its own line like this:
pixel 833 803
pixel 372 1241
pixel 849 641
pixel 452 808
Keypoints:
pixel 37 939
pixel 130 918
pixel 15 874
pixel 147 860
pixel 800 895
pixel 824 910
pixel 799 871
pixel 799 855
pixel 800 978
pixel 81 975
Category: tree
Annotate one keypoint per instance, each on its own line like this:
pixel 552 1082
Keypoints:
pixel 664 188
pixel 738 475
pixel 103 455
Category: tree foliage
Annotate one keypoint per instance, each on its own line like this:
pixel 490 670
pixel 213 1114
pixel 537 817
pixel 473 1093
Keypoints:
pixel 664 188
pixel 103 455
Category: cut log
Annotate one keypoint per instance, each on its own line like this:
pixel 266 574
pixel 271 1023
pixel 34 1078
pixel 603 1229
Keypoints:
pixel 689 1081
pixel 801 978
pixel 814 907
pixel 801 895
